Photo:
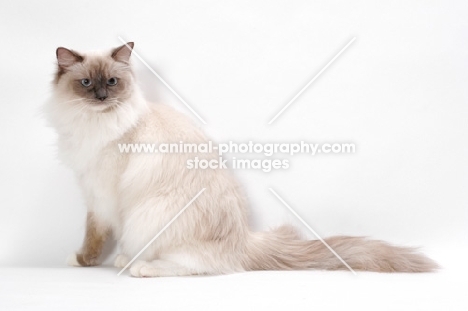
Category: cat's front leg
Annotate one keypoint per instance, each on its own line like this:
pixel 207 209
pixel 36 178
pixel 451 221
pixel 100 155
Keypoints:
pixel 96 235
pixel 121 261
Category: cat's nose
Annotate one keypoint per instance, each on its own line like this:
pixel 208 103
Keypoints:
pixel 101 94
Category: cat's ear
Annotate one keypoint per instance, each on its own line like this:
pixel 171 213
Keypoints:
pixel 66 57
pixel 122 53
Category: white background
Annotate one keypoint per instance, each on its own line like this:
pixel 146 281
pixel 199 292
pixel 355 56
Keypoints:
pixel 399 93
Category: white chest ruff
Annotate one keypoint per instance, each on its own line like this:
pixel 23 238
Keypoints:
pixel 99 181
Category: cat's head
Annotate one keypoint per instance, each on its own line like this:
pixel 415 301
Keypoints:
pixel 95 81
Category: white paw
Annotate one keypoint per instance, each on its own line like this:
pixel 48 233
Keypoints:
pixel 141 269
pixel 121 261
pixel 71 261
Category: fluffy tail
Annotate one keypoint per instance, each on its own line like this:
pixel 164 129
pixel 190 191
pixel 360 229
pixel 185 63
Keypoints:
pixel 282 249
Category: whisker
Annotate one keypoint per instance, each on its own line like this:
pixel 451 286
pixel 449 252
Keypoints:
pixel 69 101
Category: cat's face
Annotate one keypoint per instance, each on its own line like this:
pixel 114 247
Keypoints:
pixel 102 81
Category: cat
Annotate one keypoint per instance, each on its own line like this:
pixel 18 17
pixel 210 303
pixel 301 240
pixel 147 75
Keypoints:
pixel 96 105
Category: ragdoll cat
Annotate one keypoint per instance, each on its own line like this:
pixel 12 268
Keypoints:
pixel 96 105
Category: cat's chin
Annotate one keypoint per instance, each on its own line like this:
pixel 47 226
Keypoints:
pixel 103 106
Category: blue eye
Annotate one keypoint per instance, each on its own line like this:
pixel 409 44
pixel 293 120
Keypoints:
pixel 86 82
pixel 112 81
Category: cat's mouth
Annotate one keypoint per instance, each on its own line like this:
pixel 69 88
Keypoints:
pixel 104 105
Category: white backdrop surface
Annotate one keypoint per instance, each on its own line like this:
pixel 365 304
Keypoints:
pixel 399 92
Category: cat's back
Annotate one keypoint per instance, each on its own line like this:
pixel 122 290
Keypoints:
pixel 163 123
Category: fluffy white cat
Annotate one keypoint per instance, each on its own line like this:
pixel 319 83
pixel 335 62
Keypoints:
pixel 96 105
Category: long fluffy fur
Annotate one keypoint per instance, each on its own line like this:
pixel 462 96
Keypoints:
pixel 358 252
pixel 134 195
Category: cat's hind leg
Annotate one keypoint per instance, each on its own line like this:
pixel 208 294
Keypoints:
pixel 159 268
pixel 204 259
